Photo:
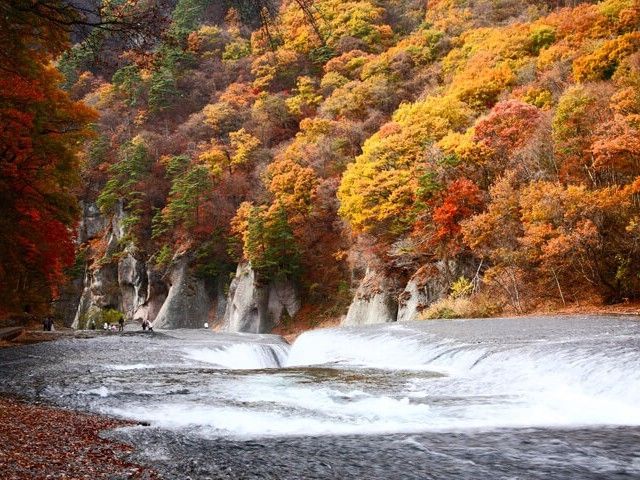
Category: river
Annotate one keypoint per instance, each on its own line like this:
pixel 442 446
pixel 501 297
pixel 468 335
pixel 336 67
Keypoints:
pixel 525 398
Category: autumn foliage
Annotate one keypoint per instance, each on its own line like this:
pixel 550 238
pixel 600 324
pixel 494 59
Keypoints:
pixel 41 130
pixel 315 139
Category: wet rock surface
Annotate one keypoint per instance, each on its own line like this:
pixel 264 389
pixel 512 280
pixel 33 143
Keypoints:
pixel 589 454
pixel 532 398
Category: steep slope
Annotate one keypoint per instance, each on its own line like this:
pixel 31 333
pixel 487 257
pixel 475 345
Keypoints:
pixel 484 154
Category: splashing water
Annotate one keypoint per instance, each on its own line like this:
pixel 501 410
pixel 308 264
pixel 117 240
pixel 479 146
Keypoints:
pixel 431 376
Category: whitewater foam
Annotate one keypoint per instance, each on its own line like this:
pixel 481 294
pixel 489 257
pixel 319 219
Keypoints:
pixel 241 356
pixel 429 377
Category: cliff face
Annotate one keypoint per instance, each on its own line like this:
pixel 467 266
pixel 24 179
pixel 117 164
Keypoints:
pixel 258 307
pixel 116 281
pixel 173 298
pixel 382 299
pixel 374 302
pixel 176 297
pixel 191 301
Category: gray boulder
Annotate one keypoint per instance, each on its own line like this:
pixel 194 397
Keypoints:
pixel 255 307
pixel 190 301
pixel 374 301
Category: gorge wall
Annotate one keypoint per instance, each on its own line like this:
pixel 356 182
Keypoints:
pixel 176 297
pixel 171 297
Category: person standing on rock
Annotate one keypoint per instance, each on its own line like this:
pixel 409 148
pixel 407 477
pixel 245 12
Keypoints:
pixel 121 324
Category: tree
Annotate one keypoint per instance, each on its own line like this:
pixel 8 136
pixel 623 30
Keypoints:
pixel 306 100
pixel 293 187
pixel 268 241
pixel 41 130
pixel 460 201
pixel 579 111
pixel 126 184
pixel 188 204
pixel 602 63
pixel 378 190
pixel 508 126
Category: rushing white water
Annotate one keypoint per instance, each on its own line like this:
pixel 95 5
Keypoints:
pixel 393 348
pixel 410 379
pixel 241 356
pixel 430 376
pixel 539 382
pixel 476 399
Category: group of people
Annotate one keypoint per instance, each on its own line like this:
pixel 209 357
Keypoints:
pixel 146 326
pixel 119 328
pixel 47 325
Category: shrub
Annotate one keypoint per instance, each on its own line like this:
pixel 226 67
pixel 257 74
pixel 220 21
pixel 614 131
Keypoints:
pixel 462 287
pixel 477 306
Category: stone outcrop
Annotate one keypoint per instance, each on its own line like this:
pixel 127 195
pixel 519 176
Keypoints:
pixel 76 291
pixel 429 284
pixel 66 305
pixel 101 291
pixel 154 298
pixel 92 223
pixel 120 284
pixel 190 302
pixel 177 298
pixel 374 301
pixel 257 307
pixel 101 288
pixel 132 281
pixel 377 299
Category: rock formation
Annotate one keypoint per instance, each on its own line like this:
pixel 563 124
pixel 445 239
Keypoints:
pixel 257 307
pixel 191 301
pixel 374 301
pixel 378 299
pixel 178 298
pixel 175 298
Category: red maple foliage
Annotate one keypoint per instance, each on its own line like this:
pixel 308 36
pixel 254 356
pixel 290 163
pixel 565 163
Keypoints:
pixel 40 133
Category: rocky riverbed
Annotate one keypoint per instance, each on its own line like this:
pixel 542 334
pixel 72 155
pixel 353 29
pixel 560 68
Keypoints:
pixel 501 398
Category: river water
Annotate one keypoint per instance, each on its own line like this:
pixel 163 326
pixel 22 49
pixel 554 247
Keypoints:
pixel 553 397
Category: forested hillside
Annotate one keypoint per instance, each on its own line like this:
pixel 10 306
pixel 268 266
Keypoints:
pixel 465 157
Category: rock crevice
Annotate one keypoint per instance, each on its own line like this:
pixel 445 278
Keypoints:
pixel 255 306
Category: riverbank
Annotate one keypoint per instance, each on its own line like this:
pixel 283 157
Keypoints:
pixel 33 335
pixel 624 308
pixel 293 329
pixel 45 442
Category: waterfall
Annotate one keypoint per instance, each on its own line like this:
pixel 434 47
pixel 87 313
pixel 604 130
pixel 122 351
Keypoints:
pixel 242 356
pixel 565 381
pixel 410 378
